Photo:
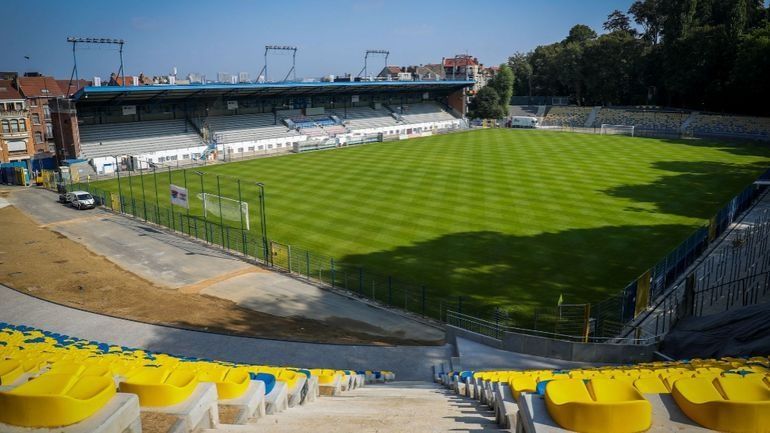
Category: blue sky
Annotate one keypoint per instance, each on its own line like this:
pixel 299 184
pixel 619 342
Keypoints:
pixel 332 35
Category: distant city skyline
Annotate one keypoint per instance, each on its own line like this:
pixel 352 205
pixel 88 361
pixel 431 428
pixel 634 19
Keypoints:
pixel 207 38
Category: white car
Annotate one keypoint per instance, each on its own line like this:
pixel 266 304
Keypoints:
pixel 81 200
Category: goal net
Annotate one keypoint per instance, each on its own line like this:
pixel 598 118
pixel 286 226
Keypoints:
pixel 617 129
pixel 227 208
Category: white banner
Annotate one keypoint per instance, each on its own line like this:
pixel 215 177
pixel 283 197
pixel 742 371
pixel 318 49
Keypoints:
pixel 129 110
pixel 232 105
pixel 179 196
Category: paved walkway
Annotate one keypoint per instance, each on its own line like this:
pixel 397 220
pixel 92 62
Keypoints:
pixel 398 407
pixel 176 262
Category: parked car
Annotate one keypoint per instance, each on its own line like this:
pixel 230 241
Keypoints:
pixel 79 200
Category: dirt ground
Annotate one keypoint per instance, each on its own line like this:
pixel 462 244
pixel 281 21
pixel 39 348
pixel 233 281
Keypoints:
pixel 46 264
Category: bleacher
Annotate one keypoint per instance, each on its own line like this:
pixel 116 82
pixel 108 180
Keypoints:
pixel 49 380
pixel 722 124
pixel 111 139
pixel 424 113
pixel 366 117
pixel 567 116
pixel 642 119
pixel 246 127
pixel 726 395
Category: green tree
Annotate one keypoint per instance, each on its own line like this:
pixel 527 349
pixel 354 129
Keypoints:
pixel 647 13
pixel 522 73
pixel 617 21
pixel 485 105
pixel 580 33
pixel 502 82
pixel 749 75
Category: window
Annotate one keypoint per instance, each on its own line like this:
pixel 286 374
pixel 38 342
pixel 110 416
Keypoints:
pixel 47 112
pixel 186 156
pixel 261 147
pixel 22 125
pixel 38 137
pixel 49 130
pixel 35 119
pixel 240 150
pixel 6 126
pixel 33 102
pixel 269 146
pixel 14 126
pixel 251 148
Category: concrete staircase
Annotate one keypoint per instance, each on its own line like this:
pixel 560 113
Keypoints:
pixel 592 117
pixel 407 407
pixel 687 122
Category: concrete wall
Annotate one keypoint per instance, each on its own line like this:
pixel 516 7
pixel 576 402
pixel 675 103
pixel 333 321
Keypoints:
pixel 559 349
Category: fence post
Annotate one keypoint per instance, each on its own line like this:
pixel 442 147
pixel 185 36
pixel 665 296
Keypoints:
pixel 422 289
pixel 361 280
pixel 390 290
pixel 332 271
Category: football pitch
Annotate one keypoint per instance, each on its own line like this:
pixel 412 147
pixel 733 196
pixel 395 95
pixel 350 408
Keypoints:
pixel 517 217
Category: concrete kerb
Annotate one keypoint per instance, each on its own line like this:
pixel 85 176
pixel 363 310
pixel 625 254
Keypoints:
pixel 262 265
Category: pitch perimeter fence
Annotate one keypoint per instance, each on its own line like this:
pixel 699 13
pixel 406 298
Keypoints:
pixel 586 321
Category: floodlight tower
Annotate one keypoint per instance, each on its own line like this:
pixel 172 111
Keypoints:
pixel 108 41
pixel 385 53
pixel 279 49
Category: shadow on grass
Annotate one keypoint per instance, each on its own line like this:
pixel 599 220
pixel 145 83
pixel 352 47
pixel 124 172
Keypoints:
pixel 526 272
pixel 699 189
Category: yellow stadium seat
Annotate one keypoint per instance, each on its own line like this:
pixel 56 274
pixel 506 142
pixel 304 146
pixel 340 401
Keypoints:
pixel 651 385
pixel 53 400
pixel 231 382
pixel 601 406
pixel 160 386
pixel 10 370
pixel 728 404
pixel 522 384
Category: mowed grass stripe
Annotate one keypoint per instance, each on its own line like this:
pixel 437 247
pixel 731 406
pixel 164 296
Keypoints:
pixel 512 216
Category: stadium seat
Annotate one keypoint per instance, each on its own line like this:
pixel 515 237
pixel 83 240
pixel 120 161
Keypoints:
pixel 729 404
pixel 231 382
pixel 600 406
pixel 160 386
pixel 53 400
pixel 651 385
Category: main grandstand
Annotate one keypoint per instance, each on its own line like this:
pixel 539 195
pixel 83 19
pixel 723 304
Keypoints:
pixel 139 125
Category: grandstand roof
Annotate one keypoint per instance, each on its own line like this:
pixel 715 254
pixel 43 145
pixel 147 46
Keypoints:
pixel 107 94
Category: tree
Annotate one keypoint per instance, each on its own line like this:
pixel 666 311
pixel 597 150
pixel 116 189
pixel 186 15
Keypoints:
pixel 617 21
pixel 647 13
pixel 485 105
pixel 570 73
pixel 580 33
pixel 502 82
pixel 749 75
pixel 522 73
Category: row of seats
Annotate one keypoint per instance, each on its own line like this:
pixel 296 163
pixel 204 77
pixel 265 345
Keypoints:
pixel 424 113
pixel 671 121
pixel 571 116
pixel 246 127
pixel 731 124
pixel 50 380
pixel 726 395
pixel 140 137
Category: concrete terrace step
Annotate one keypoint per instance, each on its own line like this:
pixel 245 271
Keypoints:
pixel 406 407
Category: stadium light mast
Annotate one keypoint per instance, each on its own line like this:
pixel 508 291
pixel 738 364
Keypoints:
pixel 385 53
pixel 95 41
pixel 279 49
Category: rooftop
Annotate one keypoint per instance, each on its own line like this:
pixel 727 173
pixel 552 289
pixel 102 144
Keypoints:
pixel 128 94
pixel 37 87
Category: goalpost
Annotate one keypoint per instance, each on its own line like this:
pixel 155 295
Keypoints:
pixel 608 129
pixel 231 209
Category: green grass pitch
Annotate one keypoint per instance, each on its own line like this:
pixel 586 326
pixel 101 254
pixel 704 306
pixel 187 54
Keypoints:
pixel 506 216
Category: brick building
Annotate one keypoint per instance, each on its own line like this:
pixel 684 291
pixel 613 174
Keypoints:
pixel 16 143
pixel 39 91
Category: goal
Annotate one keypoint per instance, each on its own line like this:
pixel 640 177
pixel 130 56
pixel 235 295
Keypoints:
pixel 617 129
pixel 231 209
